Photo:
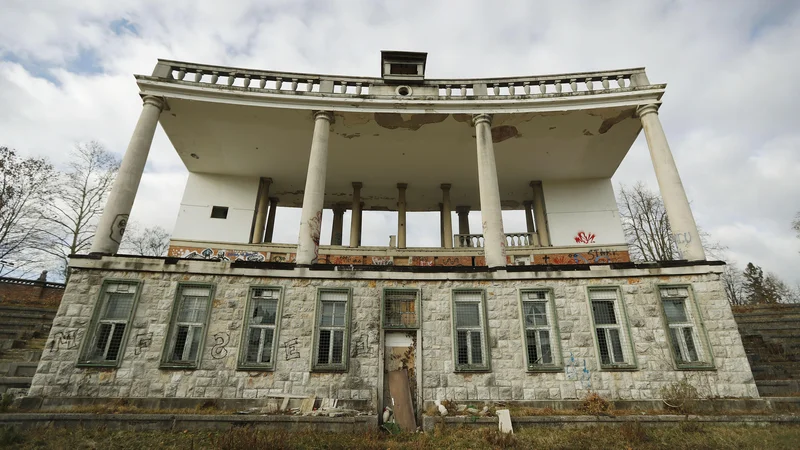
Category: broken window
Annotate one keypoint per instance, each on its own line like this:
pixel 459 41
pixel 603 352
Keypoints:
pixel 400 307
pixel 113 314
pixel 333 312
pixel 612 339
pixel 188 328
pixel 684 337
pixel 539 322
pixel 261 325
pixel 471 352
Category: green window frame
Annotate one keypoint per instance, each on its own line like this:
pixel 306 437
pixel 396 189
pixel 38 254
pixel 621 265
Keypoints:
pixel 188 326
pixel 332 331
pixel 612 334
pixel 470 331
pixel 685 331
pixel 110 324
pixel 261 328
pixel 540 330
pixel 400 308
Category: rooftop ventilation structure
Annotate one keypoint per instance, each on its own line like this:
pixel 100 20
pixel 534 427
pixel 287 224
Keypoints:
pixel 403 67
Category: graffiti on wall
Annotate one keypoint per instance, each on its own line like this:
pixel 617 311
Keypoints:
pixel 64 340
pixel 142 341
pixel 221 254
pixel 219 350
pixel 594 256
pixel 577 370
pixel 290 347
pixel 584 238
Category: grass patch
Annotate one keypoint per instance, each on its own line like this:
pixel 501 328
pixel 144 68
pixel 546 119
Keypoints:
pixel 688 435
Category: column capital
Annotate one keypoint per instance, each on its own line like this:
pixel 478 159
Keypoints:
pixel 158 102
pixel 462 209
pixel 267 180
pixel 357 185
pixel 647 109
pixel 402 185
pixel 274 199
pixel 339 208
pixel 327 115
pixel 446 186
pixel 535 183
pixel 527 203
pixel 478 118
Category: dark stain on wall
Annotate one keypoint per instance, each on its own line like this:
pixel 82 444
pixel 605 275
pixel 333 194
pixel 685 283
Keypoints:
pixel 608 123
pixel 414 122
pixel 503 132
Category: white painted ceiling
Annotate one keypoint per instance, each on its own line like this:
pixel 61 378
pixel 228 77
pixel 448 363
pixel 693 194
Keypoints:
pixel 381 150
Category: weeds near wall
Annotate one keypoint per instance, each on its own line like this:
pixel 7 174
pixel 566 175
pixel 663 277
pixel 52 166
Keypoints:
pixel 680 397
pixel 595 404
pixel 6 401
pixel 10 435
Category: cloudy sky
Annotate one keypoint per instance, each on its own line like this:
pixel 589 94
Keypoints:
pixel 66 76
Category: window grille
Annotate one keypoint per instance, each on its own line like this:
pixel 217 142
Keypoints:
pixel 683 333
pixel 610 330
pixel 470 331
pixel 261 327
pixel 117 300
pixel 539 322
pixel 189 324
pixel 400 308
pixel 332 327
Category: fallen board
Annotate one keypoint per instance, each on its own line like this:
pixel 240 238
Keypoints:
pixel 401 396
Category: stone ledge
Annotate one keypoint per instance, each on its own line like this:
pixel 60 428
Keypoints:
pixel 188 421
pixel 704 406
pixel 430 422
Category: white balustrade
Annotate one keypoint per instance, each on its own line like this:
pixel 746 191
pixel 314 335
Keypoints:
pixel 594 83
pixel 512 240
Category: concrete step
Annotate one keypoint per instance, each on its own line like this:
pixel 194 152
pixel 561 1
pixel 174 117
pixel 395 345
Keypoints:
pixel 14 382
pixel 20 354
pixel 778 388
pixel 769 325
pixel 18 369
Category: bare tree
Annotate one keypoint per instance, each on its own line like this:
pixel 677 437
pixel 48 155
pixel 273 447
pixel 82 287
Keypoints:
pixel 80 201
pixel 796 224
pixel 647 228
pixel 26 186
pixel 733 283
pixel 151 241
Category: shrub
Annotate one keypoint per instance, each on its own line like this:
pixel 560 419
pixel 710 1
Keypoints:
pixel 6 401
pixel 10 435
pixel 595 404
pixel 680 397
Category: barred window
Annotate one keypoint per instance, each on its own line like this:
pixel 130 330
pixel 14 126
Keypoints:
pixel 332 330
pixel 400 308
pixel 539 322
pixel 685 340
pixel 261 328
pixel 189 323
pixel 110 323
pixel 471 352
pixel 610 329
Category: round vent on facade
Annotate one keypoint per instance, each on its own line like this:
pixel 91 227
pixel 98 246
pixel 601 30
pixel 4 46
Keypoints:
pixel 403 91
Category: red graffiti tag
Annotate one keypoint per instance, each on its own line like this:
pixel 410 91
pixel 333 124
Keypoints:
pixel 584 238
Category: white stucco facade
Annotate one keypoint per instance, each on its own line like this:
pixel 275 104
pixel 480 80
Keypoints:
pixel 582 206
pixel 203 192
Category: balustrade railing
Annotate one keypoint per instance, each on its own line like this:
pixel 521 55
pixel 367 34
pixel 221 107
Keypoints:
pixel 287 82
pixel 512 240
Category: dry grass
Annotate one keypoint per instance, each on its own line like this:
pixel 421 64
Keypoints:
pixel 689 435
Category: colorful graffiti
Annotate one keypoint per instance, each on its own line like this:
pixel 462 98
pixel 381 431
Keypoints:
pixel 575 372
pixel 221 254
pixel 594 256
pixel 584 238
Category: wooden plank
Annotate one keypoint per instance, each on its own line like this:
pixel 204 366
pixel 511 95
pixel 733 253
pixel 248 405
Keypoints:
pixel 307 405
pixel 401 394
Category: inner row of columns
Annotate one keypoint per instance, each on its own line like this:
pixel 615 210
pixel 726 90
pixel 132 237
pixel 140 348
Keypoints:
pixel 267 208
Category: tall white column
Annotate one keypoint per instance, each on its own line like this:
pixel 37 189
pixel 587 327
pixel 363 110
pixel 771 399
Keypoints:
pixel 118 207
pixel 273 209
pixel 355 219
pixel 447 221
pixel 261 210
pixel 314 193
pixel 540 214
pixel 681 220
pixel 338 224
pixel 494 238
pixel 401 215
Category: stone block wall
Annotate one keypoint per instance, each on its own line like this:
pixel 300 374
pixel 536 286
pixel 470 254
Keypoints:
pixel 139 374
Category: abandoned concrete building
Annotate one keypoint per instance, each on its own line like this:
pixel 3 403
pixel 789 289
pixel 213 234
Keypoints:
pixel 549 312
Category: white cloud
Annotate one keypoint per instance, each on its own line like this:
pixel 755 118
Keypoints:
pixel 728 111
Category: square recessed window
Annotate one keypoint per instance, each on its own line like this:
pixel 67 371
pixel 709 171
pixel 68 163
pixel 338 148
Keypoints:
pixel 219 212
